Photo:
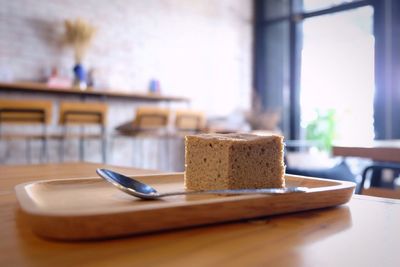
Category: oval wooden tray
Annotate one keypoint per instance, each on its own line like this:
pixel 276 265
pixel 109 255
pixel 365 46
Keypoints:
pixel 90 208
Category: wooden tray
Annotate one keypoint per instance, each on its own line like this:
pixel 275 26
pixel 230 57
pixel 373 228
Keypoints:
pixel 77 209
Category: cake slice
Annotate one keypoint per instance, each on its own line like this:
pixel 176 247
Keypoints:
pixel 233 161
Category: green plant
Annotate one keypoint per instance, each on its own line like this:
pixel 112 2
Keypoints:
pixel 322 129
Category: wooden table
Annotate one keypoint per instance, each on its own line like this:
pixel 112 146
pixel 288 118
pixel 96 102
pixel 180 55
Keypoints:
pixel 385 150
pixel 364 232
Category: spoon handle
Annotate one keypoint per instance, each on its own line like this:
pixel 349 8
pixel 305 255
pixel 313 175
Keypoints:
pixel 267 191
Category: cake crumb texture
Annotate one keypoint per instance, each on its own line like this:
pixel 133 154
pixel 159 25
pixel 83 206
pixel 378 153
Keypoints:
pixel 233 161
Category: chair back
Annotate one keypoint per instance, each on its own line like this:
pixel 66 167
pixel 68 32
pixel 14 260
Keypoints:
pixel 151 118
pixel 83 113
pixel 25 112
pixel 189 120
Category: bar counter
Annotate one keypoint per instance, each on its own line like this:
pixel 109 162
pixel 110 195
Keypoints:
pixel 121 109
pixel 32 87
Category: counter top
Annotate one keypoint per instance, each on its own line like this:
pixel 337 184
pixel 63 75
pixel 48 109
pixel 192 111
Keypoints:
pixel 43 88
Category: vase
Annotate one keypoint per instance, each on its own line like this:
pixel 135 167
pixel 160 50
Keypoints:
pixel 80 77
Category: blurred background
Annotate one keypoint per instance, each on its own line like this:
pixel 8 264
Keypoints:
pixel 122 82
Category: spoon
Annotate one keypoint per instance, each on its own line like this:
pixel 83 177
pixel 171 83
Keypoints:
pixel 144 191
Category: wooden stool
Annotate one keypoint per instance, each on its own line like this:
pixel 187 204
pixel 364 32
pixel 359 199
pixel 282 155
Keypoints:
pixel 149 123
pixel 151 119
pixel 186 121
pixel 83 114
pixel 17 112
pixel 189 121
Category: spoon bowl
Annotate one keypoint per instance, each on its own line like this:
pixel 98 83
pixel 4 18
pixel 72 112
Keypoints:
pixel 144 191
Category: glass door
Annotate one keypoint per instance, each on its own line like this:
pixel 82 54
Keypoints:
pixel 337 77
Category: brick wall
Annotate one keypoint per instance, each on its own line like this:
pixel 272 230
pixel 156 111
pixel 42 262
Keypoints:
pixel 196 48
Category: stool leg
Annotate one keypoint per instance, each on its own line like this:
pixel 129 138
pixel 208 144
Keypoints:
pixel 81 149
pixel 111 141
pixel 167 153
pixel 140 153
pixel 61 150
pixel 137 148
pixel 43 155
pixel 7 153
pixel 103 145
pixel 1 142
pixel 136 161
pixel 28 151
pixel 160 154
pixel 154 155
pixel 133 152
pixel 148 152
pixel 81 145
pixel 43 152
pixel 62 144
pixel 2 160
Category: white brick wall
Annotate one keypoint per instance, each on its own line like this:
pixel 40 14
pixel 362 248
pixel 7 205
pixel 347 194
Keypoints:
pixel 200 49
pixel 197 48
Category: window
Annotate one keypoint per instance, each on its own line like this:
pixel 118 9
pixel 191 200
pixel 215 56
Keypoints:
pixel 324 65
pixel 337 76
pixel 314 5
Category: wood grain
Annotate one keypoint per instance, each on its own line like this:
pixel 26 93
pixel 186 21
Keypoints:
pixel 383 150
pixel 189 120
pixel 20 114
pixel 148 117
pixel 83 113
pixel 364 232
pixel 382 192
pixel 79 209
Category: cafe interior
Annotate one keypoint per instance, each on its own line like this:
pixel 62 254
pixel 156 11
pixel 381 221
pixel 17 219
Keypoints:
pixel 119 85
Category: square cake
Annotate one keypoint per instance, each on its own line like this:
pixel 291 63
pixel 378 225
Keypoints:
pixel 233 161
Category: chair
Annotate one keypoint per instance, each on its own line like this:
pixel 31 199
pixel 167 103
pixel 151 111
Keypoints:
pixel 186 121
pixel 314 166
pixel 189 121
pixel 151 123
pixel 340 171
pixel 148 120
pixel 376 179
pixel 83 115
pixel 18 112
pixel 153 119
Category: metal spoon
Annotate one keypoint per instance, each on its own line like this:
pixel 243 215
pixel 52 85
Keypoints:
pixel 144 191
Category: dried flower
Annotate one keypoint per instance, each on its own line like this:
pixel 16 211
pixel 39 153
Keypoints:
pixel 79 35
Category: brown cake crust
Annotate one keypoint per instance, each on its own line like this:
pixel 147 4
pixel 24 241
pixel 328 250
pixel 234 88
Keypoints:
pixel 233 161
